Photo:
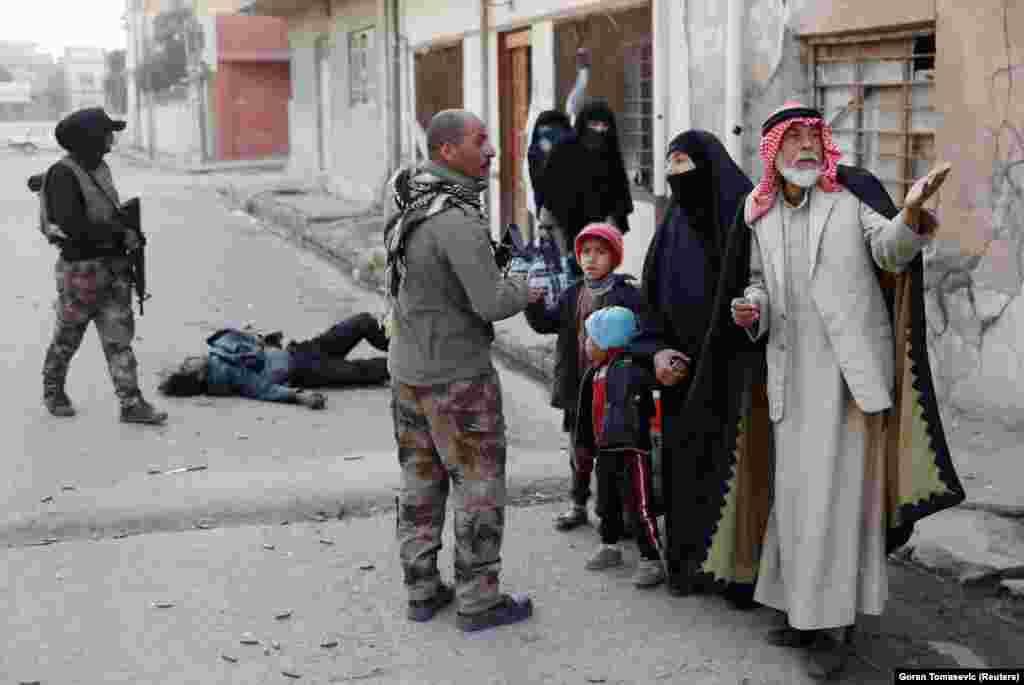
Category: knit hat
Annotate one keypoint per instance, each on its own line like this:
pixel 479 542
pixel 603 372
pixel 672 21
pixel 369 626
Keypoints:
pixel 611 327
pixel 605 232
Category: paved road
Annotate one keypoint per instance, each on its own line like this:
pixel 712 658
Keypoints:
pixel 81 611
pixel 207 267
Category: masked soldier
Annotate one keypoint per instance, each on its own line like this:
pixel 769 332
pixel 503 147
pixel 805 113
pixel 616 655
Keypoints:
pixel 93 272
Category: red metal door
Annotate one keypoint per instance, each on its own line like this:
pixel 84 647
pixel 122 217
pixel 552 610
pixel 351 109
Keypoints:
pixel 258 104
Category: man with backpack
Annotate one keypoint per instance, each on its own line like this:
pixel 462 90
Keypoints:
pixel 79 214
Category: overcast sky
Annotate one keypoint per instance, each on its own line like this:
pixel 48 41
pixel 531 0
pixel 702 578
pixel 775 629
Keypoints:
pixel 56 24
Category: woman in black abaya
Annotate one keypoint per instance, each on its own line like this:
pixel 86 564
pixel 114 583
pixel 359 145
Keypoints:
pixel 701 361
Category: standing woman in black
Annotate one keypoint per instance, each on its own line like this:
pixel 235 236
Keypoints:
pixel 693 350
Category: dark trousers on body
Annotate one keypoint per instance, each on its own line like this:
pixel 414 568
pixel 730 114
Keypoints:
pixel 321 361
pixel 624 481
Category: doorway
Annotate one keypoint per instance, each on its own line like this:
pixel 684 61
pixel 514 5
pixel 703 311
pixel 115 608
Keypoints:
pixel 514 96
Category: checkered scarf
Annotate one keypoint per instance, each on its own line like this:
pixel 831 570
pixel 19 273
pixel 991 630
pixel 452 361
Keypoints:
pixel 418 195
pixel 763 196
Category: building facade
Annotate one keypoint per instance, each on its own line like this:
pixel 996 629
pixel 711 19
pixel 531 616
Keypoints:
pixel 232 104
pixel 905 85
pixel 85 70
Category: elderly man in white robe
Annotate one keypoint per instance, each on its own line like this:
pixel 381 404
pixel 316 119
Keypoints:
pixel 814 293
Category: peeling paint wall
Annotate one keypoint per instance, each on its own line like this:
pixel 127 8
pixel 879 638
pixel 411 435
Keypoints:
pixel 975 271
pixel 976 307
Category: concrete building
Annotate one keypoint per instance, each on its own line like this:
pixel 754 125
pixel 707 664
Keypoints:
pixel 85 69
pixel 234 103
pixel 905 84
pixel 32 69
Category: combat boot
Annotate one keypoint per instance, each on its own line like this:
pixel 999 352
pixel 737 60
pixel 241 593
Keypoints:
pixel 142 411
pixel 57 402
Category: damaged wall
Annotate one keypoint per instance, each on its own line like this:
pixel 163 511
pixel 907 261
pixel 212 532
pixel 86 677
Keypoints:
pixel 976 311
pixel 975 271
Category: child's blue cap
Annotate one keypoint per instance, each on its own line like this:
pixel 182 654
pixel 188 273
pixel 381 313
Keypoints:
pixel 611 327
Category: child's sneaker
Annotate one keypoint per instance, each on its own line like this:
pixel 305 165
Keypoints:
pixel 649 572
pixel 511 609
pixel 607 556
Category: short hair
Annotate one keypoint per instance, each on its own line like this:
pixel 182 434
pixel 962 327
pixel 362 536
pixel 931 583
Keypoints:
pixel 180 381
pixel 447 126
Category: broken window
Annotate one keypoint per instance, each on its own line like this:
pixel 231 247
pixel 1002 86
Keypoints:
pixel 878 92
pixel 636 127
pixel 360 67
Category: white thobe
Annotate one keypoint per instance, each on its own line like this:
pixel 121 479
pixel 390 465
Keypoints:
pixel 824 550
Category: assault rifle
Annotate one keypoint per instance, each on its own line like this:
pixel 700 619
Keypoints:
pixel 130 214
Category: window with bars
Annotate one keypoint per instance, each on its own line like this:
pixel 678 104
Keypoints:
pixel 878 92
pixel 635 124
pixel 360 65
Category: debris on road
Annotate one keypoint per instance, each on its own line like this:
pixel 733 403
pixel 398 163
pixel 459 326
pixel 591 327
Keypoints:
pixel 376 670
pixel 153 471
pixel 229 658
pixel 180 469
pixel 241 436
pixel 291 674
pixel 47 499
pixel 249 639
pixel 163 605
pixel 354 458
pixel 325 541
pixel 45 541
pixel 68 488
pixel 268 546
pixel 367 567
pixel 283 615
pixel 205 524
pixel 120 535
pixel 197 467
pixel 329 643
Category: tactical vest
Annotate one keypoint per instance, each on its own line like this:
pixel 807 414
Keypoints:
pixel 99 207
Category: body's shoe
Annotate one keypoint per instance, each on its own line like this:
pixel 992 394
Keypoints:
pixel 58 403
pixel 606 556
pixel 573 518
pixel 143 412
pixel 649 573
pixel 511 609
pixel 791 637
pixel 424 610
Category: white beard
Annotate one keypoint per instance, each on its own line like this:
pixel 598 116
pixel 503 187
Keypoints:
pixel 804 178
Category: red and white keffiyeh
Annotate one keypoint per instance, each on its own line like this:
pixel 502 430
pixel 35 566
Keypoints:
pixel 763 196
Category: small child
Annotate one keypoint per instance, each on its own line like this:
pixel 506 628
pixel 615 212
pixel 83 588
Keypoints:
pixel 616 406
pixel 599 249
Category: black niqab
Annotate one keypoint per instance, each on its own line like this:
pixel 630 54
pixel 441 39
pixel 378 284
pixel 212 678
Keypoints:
pixel 683 263
pixel 583 185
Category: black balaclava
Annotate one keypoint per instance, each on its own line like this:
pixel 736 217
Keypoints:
pixel 84 134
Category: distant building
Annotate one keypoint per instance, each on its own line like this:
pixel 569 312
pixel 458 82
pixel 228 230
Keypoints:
pixel 32 70
pixel 85 69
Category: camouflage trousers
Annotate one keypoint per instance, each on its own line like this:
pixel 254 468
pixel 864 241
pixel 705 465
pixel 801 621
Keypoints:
pixel 100 291
pixel 451 437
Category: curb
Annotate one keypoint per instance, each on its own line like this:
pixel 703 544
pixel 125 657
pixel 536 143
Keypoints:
pixel 535 364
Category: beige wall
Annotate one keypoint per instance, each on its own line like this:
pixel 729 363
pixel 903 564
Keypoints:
pixel 858 15
pixel 980 113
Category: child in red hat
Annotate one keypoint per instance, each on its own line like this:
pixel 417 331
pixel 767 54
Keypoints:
pixel 599 249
